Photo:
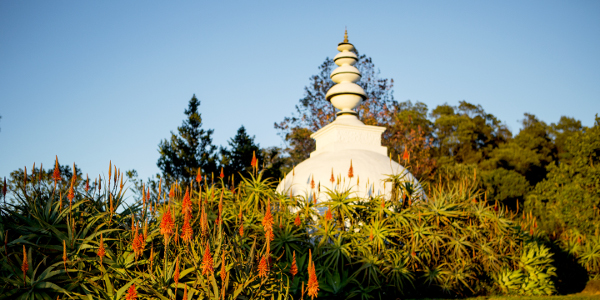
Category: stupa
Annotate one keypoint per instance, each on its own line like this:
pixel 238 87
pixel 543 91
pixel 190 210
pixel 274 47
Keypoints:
pixel 348 153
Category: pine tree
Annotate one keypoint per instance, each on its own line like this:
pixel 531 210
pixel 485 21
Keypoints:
pixel 191 148
pixel 237 158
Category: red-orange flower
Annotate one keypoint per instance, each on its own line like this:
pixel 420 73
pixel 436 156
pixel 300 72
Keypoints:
pixel 207 261
pixel 254 162
pixel 176 273
pixel 138 245
pixel 294 268
pixel 262 267
pixel 131 293
pixel 186 204
pixel 101 251
pixel 222 175
pixel 199 176
pixel 351 171
pixel 204 221
pixel 406 155
pixel 242 229
pixel 313 283
pixel 56 174
pixel 297 222
pixel 167 224
pixel 332 179
pixel 267 222
pixel 65 254
pixel 371 235
pixel 223 271
pixel 25 265
pixel 71 194
pixel 185 296
pixel 87 183
pixel 186 230
pixel 328 215
pixel 172 192
pixel 312 182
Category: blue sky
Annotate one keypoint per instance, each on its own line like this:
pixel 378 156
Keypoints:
pixel 107 80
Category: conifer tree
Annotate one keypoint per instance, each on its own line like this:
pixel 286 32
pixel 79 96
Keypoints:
pixel 237 158
pixel 191 148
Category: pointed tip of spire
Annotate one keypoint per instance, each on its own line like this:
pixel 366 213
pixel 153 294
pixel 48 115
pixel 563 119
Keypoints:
pixel 346 35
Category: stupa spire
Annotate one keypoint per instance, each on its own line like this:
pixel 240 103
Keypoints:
pixel 345 95
pixel 346 35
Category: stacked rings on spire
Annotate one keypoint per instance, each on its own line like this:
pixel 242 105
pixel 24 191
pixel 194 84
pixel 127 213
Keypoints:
pixel 345 95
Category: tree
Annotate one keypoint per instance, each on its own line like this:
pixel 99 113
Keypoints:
pixel 237 159
pixel 569 196
pixel 191 148
pixel 467 134
pixel 515 167
pixel 409 129
pixel 561 131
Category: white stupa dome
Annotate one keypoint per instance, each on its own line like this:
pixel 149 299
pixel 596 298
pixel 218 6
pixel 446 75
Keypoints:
pixel 344 143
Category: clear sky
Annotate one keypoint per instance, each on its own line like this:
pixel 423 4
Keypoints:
pixel 93 81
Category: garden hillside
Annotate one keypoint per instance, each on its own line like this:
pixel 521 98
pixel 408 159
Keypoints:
pixel 505 214
pixel 70 237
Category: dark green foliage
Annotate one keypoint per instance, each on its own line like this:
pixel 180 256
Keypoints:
pixel 237 158
pixel 467 133
pixel 569 197
pixel 453 244
pixel 191 148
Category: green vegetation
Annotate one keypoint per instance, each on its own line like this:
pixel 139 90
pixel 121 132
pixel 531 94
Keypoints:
pixel 506 215
pixel 211 240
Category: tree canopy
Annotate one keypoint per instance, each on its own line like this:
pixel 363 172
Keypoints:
pixel 188 149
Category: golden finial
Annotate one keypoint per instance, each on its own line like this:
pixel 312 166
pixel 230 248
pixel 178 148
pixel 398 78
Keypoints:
pixel 346 35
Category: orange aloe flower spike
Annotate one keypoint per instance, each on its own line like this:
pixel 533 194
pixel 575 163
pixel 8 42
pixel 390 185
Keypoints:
pixel 313 283
pixel 254 161
pixel 297 222
pixel 101 251
pixel 186 205
pixel 332 179
pixel 56 174
pixel 186 231
pixel 131 293
pixel 294 267
pixel 262 267
pixel 222 175
pixel 176 273
pixel 207 261
pixel 328 215
pixel 223 273
pixel 351 171
pixel 167 224
pixel 65 255
pixel 199 176
pixel 406 155
pixel 25 265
